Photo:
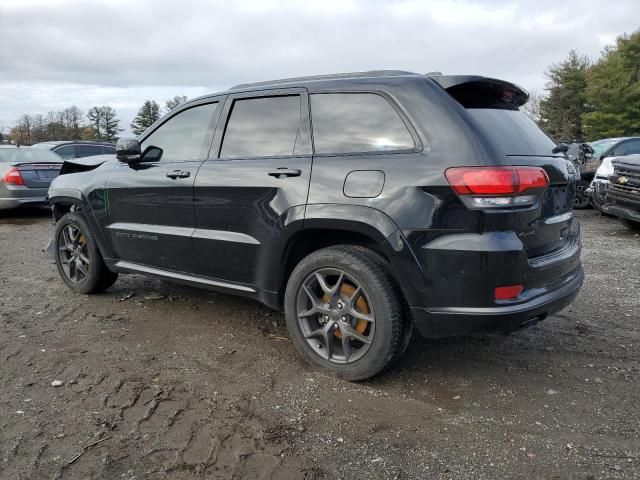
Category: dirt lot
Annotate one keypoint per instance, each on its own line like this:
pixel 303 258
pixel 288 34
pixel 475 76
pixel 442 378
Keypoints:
pixel 185 383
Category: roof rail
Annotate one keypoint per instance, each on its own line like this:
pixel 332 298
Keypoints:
pixel 372 73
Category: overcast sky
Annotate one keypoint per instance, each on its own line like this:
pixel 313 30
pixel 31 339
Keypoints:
pixel 56 53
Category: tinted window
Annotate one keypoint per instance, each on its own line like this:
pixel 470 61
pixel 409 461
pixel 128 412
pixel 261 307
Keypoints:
pixel 512 131
pixel 357 122
pixel 182 136
pixel 66 151
pixel 88 150
pixel 262 127
pixel 627 148
pixel 108 150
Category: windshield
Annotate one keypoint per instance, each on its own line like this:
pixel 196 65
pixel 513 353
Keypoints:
pixel 28 155
pixel 601 146
pixel 512 131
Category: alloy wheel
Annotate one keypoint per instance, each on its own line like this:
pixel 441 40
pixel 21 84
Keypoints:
pixel 335 315
pixel 73 253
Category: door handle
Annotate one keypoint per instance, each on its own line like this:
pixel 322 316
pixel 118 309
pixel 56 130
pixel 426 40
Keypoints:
pixel 178 174
pixel 283 172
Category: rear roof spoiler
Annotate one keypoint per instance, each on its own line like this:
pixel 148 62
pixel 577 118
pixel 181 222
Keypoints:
pixel 455 84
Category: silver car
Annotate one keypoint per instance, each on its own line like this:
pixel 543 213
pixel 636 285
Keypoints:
pixel 25 175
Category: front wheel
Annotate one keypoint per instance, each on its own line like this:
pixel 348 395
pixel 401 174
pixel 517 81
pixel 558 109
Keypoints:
pixel 344 312
pixel 78 259
pixel 582 200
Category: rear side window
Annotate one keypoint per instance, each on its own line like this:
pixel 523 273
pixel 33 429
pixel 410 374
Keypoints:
pixel 108 150
pixel 262 127
pixel 182 137
pixel 66 151
pixel 88 150
pixel 357 123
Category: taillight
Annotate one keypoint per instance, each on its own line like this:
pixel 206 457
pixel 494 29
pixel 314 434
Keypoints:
pixel 498 187
pixel 13 177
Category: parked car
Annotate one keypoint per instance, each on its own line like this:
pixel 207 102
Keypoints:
pixel 25 175
pixel 581 154
pixel 623 195
pixel 599 187
pixel 70 149
pixel 433 202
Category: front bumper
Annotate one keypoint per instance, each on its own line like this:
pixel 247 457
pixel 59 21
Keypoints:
pixel 456 321
pixel 625 212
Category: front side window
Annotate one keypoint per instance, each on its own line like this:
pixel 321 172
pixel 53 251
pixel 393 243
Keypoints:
pixel 627 148
pixel 66 151
pixel 181 137
pixel 262 127
pixel 355 123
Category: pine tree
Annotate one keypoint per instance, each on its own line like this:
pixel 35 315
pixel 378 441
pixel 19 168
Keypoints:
pixel 147 116
pixel 174 102
pixel 561 111
pixel 109 124
pixel 613 92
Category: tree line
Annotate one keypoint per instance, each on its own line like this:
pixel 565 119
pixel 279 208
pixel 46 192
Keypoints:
pixel 587 100
pixel 98 123
pixel 584 100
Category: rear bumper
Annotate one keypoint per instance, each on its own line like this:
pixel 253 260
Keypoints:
pixel 455 321
pixel 8 203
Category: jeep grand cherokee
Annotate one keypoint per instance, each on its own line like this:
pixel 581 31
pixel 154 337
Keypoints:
pixel 362 204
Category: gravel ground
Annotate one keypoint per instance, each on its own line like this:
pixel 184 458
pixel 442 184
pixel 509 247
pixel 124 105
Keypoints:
pixel 163 381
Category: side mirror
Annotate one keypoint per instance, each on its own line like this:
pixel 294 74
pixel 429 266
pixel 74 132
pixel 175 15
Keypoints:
pixel 560 148
pixel 128 150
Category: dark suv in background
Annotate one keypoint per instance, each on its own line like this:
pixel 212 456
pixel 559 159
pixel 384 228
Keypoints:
pixel 70 149
pixel 362 204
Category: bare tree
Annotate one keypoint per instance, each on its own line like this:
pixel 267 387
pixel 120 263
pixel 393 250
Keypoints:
pixel 39 129
pixel 73 119
pixel 95 115
pixel 174 102
pixel 22 133
pixel 532 107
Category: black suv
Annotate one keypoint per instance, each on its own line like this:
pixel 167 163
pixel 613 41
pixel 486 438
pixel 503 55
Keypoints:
pixel 70 149
pixel 362 204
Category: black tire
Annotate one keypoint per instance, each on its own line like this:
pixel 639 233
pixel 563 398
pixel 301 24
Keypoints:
pixel 370 271
pixel 582 200
pixel 98 277
pixel 630 224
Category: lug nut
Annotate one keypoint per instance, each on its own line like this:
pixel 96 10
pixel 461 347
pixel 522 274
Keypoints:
pixel 340 305
pixel 335 325
pixel 344 319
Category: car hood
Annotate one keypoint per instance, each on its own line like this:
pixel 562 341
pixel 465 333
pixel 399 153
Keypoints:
pixel 84 164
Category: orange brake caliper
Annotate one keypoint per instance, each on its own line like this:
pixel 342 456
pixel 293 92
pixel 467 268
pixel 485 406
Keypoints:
pixel 361 304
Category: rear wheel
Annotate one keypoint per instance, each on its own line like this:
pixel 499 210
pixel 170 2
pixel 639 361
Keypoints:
pixel 344 312
pixel 630 224
pixel 80 263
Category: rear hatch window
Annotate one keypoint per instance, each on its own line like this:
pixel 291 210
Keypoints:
pixel 493 105
pixel 512 132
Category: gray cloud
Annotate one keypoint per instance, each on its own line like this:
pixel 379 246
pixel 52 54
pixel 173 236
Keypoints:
pixel 57 52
